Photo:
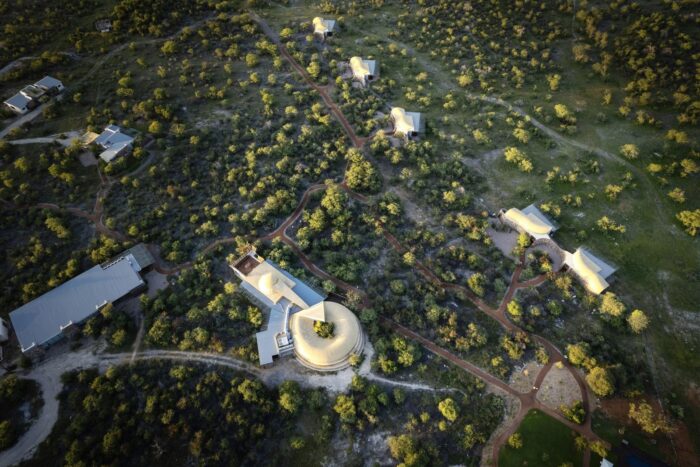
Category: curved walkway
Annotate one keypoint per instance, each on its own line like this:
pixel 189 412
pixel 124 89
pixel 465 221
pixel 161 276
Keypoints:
pixel 322 90
pixel 48 375
pixel 528 401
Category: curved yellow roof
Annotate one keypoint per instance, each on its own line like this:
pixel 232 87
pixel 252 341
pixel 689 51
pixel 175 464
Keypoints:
pixel 402 122
pixel 359 67
pixel 530 224
pixel 332 353
pixel 319 25
pixel 588 271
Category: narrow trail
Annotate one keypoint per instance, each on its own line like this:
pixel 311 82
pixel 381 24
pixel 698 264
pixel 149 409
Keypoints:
pixel 48 375
pixel 447 85
pixel 28 117
pixel 528 400
pixel 139 337
pixel 322 90
pixel 18 61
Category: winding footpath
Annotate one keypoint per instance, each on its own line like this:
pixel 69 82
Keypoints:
pixel 48 375
pixel 528 401
pixel 29 116
pixel 322 90
pixel 48 372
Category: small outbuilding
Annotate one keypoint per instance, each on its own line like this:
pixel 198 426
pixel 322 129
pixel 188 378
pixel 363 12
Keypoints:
pixel 363 71
pixel 407 124
pixel 103 25
pixel 323 27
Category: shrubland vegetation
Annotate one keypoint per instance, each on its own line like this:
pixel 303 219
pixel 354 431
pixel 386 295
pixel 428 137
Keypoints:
pixel 200 312
pixel 229 139
pixel 20 402
pixel 172 413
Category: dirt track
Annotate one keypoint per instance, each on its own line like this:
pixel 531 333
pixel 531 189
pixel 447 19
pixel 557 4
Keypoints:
pixel 528 400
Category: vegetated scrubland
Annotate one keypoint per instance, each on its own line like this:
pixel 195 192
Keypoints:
pixel 589 114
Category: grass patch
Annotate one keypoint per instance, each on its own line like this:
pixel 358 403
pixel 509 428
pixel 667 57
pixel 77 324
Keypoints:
pixel 612 433
pixel 545 442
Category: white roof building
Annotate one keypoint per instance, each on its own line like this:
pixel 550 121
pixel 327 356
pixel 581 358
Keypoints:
pixel 42 321
pixel 114 143
pixel 530 220
pixel 323 27
pixel 589 269
pixel 28 97
pixel 48 83
pixel 19 103
pixel 363 70
pixel 321 353
pixel 408 124
pixel 293 307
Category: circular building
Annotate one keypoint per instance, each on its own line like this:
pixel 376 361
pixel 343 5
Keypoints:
pixel 326 353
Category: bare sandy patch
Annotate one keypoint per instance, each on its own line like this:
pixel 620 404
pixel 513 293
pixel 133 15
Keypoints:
pixel 156 281
pixel 504 241
pixel 523 379
pixel 559 387
pixel 413 211
pixel 87 159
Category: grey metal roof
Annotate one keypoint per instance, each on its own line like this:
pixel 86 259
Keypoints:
pixel 371 66
pixel 143 257
pixel 305 292
pixel 48 82
pixel 18 101
pixel 42 319
pixel 606 269
pixel 418 123
pixel 112 135
pixel 114 150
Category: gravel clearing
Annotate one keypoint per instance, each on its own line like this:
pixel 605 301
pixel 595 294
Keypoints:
pixel 524 378
pixel 559 387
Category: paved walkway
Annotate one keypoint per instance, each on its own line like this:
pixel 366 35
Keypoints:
pixel 322 90
pixel 22 119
